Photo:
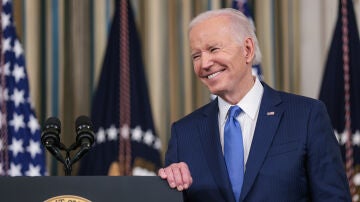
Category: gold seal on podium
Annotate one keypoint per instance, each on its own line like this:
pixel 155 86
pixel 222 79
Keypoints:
pixel 67 198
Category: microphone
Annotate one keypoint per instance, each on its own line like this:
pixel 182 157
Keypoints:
pixel 84 131
pixel 84 136
pixel 50 137
pixel 51 132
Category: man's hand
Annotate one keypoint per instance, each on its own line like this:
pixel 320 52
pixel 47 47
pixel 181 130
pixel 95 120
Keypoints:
pixel 178 175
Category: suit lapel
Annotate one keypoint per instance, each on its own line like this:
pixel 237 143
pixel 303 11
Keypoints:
pixel 268 120
pixel 210 138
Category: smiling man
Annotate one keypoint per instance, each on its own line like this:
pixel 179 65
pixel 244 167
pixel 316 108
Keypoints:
pixel 252 143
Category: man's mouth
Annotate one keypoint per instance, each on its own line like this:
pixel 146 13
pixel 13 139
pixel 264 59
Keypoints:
pixel 213 75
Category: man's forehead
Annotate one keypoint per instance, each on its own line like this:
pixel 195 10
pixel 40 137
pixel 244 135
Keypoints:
pixel 211 20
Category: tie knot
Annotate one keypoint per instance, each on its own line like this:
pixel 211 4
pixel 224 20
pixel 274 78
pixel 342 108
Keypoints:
pixel 234 111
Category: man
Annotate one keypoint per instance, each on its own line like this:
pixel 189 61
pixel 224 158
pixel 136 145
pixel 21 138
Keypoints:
pixel 288 149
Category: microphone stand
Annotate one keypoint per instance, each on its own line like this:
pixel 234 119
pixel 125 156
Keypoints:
pixel 68 162
pixel 51 141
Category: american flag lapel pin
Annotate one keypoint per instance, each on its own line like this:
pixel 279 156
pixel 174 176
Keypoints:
pixel 270 113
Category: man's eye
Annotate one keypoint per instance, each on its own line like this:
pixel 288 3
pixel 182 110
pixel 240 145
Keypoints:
pixel 195 57
pixel 213 49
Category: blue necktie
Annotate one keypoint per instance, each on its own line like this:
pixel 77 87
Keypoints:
pixel 234 150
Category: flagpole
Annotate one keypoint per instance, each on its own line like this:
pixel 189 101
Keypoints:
pixel 345 48
pixel 125 106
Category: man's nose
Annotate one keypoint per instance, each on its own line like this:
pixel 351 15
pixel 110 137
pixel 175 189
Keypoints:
pixel 206 60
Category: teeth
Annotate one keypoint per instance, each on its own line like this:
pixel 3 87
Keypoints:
pixel 213 75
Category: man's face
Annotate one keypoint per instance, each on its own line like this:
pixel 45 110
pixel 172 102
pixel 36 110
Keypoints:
pixel 220 61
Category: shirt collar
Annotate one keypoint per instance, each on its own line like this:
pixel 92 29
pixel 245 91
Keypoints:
pixel 250 103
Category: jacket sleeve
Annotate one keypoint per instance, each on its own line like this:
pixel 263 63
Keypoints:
pixel 326 172
pixel 171 155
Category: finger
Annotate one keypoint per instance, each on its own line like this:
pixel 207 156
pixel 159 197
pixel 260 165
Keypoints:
pixel 162 173
pixel 178 177
pixel 170 176
pixel 186 176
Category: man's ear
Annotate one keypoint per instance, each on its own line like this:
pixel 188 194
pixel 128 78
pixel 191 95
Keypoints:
pixel 249 50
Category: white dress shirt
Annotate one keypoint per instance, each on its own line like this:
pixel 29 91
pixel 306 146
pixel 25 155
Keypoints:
pixel 250 105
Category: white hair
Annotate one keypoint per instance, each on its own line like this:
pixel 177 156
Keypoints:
pixel 239 23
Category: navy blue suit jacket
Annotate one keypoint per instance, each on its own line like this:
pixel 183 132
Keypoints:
pixel 294 154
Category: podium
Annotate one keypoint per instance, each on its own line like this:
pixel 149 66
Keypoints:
pixel 87 188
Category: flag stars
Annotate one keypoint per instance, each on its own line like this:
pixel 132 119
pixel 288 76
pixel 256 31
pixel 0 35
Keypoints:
pixel 17 122
pixel 125 131
pixel 6 2
pixel 18 97
pixel 100 136
pixel 5 20
pixel 6 69
pixel 17 48
pixel 15 170
pixel 149 137
pixel 18 73
pixel 356 138
pixel 136 134
pixel 6 45
pixel 33 124
pixel 342 138
pixel 25 156
pixel 16 146
pixel 33 148
pixel 357 179
pixel 338 137
pixel 157 144
pixel 33 171
pixel 112 133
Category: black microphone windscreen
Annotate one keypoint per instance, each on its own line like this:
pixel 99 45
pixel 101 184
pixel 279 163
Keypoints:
pixel 84 131
pixel 52 122
pixel 83 120
pixel 50 136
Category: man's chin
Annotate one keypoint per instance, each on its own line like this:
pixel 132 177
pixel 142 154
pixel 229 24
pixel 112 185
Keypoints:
pixel 215 92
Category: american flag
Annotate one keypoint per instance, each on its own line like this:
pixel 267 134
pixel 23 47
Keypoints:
pixel 21 151
pixel 243 6
pixel 132 148
pixel 341 93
